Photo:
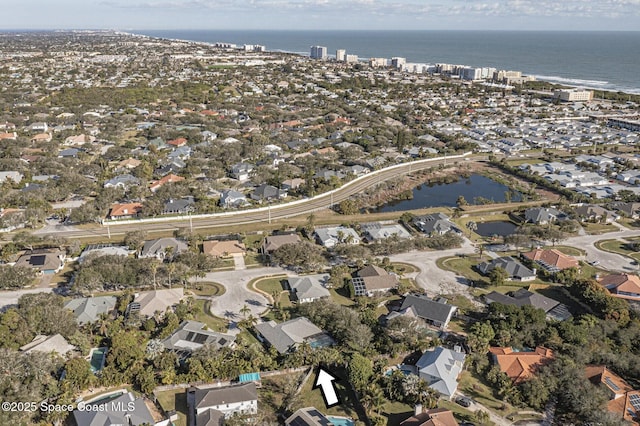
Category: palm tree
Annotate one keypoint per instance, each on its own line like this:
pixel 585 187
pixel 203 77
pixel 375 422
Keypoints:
pixel 245 310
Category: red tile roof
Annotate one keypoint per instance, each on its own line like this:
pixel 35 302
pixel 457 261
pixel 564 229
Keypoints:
pixel 552 257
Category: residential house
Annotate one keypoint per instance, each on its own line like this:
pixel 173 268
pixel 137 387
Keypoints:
pixel 42 137
pixel 227 248
pixel 45 261
pixel 374 231
pixel 192 335
pixel 124 210
pixel 266 192
pixel 308 416
pixel 8 136
pixel 69 153
pixel 624 400
pixel 372 279
pixel 231 198
pixel 122 181
pixel 78 140
pixel 551 260
pixel 241 171
pixel 308 288
pixel 294 183
pixel 177 142
pixel 123 410
pixel 48 344
pixel 522 297
pixel 516 271
pixel 129 163
pixel 440 368
pixel 590 212
pixel 179 206
pixel 624 286
pixel 274 242
pixel 432 417
pixel 147 303
pixel 435 312
pixel 630 210
pixel 89 309
pixel 163 248
pixel 285 337
pixel 434 224
pixel 543 215
pixel 15 177
pixel 332 236
pixel 520 365
pixel 170 178
pixel 212 405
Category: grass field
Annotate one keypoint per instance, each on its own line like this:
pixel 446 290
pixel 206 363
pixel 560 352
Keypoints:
pixel 204 316
pixel 571 251
pixel 471 385
pixel 175 400
pixel 207 288
pixel 313 397
pixel 598 228
pixel 619 247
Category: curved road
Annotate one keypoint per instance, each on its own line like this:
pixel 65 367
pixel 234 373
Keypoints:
pixel 279 211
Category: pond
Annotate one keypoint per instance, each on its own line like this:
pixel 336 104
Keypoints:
pixel 500 228
pixel 446 194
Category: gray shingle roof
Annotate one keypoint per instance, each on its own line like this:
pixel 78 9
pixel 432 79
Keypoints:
pixel 89 309
pixel 214 397
pixel 514 268
pixel 286 335
pixel 192 335
pixel 429 309
pixel 110 415
pixel 309 286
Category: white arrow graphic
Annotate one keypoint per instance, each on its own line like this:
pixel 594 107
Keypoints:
pixel 324 381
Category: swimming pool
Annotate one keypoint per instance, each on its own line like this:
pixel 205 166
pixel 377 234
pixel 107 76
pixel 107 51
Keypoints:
pixel 341 421
pixel 97 358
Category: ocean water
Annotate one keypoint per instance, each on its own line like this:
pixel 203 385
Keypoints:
pixel 598 60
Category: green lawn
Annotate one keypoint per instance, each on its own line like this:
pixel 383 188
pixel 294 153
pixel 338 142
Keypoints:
pixel 269 285
pixel 618 246
pixel 313 398
pixel 204 316
pixel 396 412
pixel 207 288
pixel 598 228
pixel 403 268
pixel 463 266
pixel 175 400
pixel 571 251
pixel 253 259
pixel 253 241
pixel 459 412
pixel 338 296
pixel 472 386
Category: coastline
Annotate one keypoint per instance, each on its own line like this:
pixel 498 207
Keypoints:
pixel 586 82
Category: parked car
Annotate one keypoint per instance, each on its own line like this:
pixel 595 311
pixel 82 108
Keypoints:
pixel 464 401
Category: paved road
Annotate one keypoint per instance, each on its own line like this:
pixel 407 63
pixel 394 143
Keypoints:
pixel 432 278
pixel 610 261
pixel 237 294
pixel 279 211
pixel 10 298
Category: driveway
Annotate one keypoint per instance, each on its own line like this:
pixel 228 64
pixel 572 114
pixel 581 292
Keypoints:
pixel 237 295
pixel 10 298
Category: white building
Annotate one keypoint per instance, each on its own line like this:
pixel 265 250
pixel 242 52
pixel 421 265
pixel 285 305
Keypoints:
pixel 398 63
pixel 351 59
pixel 341 55
pixel 226 401
pixel 377 62
pixel 573 95
pixel 318 52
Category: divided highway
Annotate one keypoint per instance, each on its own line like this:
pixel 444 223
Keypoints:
pixel 263 214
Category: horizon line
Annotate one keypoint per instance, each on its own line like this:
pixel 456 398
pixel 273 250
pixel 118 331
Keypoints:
pixel 327 30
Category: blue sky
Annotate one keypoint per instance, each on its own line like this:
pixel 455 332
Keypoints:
pixel 324 14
